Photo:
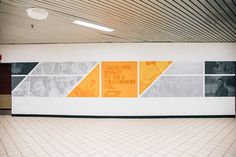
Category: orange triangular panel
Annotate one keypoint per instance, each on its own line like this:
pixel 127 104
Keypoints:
pixel 149 71
pixel 89 86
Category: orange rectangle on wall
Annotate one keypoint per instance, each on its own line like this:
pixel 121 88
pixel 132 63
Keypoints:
pixel 119 79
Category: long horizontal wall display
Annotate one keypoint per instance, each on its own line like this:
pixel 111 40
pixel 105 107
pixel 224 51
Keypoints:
pixel 124 79
pixel 124 88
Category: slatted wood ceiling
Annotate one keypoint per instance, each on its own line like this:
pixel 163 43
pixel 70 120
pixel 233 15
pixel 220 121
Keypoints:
pixel 133 21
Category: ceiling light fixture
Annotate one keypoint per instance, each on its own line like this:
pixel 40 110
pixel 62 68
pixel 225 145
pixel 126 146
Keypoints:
pixel 90 25
pixel 37 14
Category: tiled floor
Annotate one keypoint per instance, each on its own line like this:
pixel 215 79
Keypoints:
pixel 77 137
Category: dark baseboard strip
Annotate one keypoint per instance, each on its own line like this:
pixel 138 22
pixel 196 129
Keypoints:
pixel 5 111
pixel 125 117
pixel 5 108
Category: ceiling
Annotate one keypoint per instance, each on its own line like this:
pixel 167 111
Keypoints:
pixel 132 20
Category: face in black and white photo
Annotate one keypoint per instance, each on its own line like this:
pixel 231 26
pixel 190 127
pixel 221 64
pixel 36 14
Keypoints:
pixel 219 86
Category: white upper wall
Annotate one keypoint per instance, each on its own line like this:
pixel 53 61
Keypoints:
pixel 118 51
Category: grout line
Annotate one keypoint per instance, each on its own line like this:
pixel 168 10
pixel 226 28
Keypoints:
pixel 21 136
pixel 10 136
pixel 215 135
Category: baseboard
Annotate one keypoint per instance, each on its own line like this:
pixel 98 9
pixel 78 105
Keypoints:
pixel 125 117
pixel 5 108
pixel 5 111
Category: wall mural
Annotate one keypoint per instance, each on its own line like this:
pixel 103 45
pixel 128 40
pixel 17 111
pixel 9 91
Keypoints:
pixel 220 79
pixel 142 79
pixel 179 79
pixel 176 86
pixel 48 79
pixel 150 71
pixel 119 79
pixel 89 86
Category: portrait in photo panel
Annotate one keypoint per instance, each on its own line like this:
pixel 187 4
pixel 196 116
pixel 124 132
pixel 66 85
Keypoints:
pixel 219 86
pixel 52 86
pixel 40 86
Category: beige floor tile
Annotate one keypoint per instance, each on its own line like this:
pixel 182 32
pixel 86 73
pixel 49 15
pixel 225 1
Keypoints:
pixel 87 137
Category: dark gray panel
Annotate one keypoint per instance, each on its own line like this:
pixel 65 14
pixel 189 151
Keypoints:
pixel 22 90
pixel 22 68
pixel 220 67
pixel 15 81
pixel 219 86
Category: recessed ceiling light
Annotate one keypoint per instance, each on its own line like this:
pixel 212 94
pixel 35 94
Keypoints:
pixel 37 14
pixel 91 25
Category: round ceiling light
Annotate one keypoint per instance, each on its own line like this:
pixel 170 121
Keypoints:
pixel 37 14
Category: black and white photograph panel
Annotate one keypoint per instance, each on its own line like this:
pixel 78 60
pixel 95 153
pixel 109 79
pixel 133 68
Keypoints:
pixel 219 86
pixel 220 67
pixel 22 89
pixel 22 68
pixel 176 86
pixel 52 86
pixel 63 68
pixel 40 86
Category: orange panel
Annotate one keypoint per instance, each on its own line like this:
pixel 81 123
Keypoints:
pixel 119 79
pixel 89 86
pixel 149 71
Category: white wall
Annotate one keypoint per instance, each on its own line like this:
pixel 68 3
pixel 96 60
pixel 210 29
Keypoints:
pixel 118 51
pixel 122 51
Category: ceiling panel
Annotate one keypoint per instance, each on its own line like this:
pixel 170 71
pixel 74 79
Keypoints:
pixel 132 20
